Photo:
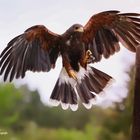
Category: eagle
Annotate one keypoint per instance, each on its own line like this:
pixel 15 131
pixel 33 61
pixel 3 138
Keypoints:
pixel 38 48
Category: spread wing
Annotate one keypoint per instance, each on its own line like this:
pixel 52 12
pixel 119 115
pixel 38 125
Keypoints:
pixel 105 30
pixel 36 49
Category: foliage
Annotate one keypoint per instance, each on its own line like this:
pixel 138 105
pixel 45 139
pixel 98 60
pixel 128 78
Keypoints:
pixel 23 116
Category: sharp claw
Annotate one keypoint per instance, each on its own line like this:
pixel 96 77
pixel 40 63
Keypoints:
pixel 89 57
pixel 88 53
pixel 72 74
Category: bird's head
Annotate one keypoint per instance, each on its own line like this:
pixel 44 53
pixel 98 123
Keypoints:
pixel 76 28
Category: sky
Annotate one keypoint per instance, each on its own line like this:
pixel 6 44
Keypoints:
pixel 58 15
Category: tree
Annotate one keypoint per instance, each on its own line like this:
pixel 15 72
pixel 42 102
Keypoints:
pixel 136 112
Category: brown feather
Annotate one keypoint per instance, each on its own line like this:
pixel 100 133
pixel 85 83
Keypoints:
pixel 125 28
pixel 130 14
pixel 124 40
pixel 94 50
pixel 136 24
pixel 112 41
pixel 105 50
pixel 129 36
pixel 41 33
pixel 131 31
pixel 107 43
pixel 134 19
pixel 36 50
pixel 5 64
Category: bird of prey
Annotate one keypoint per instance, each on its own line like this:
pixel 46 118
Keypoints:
pixel 37 49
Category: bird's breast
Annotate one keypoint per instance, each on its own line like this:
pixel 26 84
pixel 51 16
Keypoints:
pixel 75 48
pixel 68 42
pixel 73 43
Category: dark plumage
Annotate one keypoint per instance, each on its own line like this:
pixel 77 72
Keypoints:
pixel 37 49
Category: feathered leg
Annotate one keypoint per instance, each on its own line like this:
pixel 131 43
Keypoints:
pixel 66 64
pixel 86 58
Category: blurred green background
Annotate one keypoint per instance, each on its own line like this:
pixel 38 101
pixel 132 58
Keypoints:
pixel 24 117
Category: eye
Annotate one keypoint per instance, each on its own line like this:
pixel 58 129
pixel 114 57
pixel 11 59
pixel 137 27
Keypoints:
pixel 76 27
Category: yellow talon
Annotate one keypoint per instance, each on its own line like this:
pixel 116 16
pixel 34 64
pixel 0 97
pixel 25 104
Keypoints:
pixel 88 54
pixel 72 74
pixel 89 57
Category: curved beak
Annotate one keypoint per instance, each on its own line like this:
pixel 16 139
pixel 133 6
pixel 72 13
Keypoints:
pixel 80 29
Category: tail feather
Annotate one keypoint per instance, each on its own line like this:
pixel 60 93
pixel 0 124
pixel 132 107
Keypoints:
pixel 99 80
pixel 73 96
pixel 96 87
pixel 84 92
pixel 56 92
pixel 90 82
pixel 64 93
